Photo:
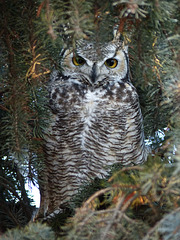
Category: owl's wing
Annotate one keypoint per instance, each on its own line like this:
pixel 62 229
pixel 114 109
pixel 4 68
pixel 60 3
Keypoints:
pixel 134 148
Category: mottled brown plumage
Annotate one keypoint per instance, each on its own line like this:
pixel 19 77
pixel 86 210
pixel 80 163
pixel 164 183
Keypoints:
pixel 96 121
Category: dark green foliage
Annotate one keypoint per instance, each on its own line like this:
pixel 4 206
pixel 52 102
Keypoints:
pixel 33 231
pixel 135 203
pixel 147 48
pixel 140 197
pixel 15 208
pixel 87 190
pixel 23 111
pixel 22 118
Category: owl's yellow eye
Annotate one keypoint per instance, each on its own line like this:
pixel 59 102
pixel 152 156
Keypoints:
pixel 111 63
pixel 78 61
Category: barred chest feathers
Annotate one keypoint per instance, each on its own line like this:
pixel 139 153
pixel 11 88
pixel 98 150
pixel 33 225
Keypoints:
pixel 96 122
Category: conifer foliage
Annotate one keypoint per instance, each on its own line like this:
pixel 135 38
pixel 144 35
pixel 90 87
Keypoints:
pixel 140 202
pixel 22 108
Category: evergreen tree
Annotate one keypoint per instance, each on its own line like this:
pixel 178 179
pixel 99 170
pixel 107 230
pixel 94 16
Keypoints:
pixel 139 202
pixel 22 97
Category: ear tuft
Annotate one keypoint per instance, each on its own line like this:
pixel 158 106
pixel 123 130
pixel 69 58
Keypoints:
pixel 117 36
pixel 119 39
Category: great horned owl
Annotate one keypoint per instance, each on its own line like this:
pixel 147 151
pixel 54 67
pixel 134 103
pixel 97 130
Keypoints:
pixel 96 120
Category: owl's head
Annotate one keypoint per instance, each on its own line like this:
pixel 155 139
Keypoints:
pixel 95 64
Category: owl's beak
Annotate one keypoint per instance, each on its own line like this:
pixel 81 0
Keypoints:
pixel 94 73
